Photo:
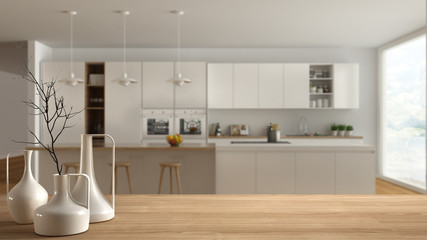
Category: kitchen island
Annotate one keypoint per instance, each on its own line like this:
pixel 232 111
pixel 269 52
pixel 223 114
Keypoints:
pixel 251 217
pixel 197 170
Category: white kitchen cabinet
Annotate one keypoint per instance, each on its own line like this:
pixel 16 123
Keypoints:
pixel 157 91
pixel 346 85
pixel 220 85
pixel 123 104
pixel 192 95
pixel 315 173
pixel 270 85
pixel 73 97
pixel 275 173
pixel 235 173
pixel 245 85
pixel 296 86
pixel 355 173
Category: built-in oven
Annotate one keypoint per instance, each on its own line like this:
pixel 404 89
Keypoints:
pixel 157 124
pixel 191 123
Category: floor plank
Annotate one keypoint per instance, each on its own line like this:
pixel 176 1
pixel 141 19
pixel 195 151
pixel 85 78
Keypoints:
pixel 384 187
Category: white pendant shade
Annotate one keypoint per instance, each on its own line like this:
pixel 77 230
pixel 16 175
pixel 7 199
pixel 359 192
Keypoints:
pixel 71 81
pixel 178 80
pixel 124 80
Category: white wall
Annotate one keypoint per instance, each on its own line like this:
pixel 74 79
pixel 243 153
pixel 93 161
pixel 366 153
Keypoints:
pixel 13 90
pixel 363 119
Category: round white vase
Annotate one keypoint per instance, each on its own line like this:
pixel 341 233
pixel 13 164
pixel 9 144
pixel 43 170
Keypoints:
pixel 62 215
pixel 26 195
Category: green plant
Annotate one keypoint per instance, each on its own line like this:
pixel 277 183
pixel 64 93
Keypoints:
pixel 349 128
pixel 341 127
pixel 334 127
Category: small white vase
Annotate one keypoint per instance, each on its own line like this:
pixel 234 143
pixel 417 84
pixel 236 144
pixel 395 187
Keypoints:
pixel 349 133
pixel 62 215
pixel 341 133
pixel 334 133
pixel 26 195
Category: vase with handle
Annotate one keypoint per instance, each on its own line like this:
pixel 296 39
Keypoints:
pixel 100 209
pixel 62 215
pixel 26 195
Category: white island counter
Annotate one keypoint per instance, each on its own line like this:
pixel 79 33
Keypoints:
pixel 305 166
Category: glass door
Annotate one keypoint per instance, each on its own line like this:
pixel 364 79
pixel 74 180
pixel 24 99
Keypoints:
pixel 403 120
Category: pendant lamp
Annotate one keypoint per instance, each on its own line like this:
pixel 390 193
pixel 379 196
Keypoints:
pixel 124 80
pixel 178 79
pixel 72 81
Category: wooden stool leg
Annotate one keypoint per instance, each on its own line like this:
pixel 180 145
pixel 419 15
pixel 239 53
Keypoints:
pixel 178 180
pixel 130 184
pixel 161 178
pixel 170 179
pixel 116 171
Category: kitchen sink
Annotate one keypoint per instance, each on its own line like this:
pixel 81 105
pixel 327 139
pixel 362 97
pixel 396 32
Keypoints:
pixel 259 142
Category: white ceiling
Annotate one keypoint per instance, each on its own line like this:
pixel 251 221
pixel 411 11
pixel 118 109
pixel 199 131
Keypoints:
pixel 213 23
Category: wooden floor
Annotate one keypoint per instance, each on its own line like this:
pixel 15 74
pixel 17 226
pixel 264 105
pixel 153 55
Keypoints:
pixel 384 187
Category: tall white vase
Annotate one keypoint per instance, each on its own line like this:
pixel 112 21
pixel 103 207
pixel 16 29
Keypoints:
pixel 62 215
pixel 26 195
pixel 100 209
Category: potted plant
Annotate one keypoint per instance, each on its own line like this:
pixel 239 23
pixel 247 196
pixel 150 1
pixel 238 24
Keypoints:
pixel 334 130
pixel 349 130
pixel 341 130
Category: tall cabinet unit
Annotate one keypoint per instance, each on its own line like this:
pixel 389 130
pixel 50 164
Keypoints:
pixel 123 104
pixel 73 96
pixel 95 99
pixel 157 92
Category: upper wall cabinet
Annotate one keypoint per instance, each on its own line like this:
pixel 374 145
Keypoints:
pixel 245 89
pixel 270 85
pixel 157 92
pixel 220 85
pixel 346 85
pixel 123 104
pixel 296 86
pixel 192 95
pixel 73 96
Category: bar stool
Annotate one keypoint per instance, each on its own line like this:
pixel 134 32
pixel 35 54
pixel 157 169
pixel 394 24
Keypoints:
pixel 126 165
pixel 170 166
pixel 67 166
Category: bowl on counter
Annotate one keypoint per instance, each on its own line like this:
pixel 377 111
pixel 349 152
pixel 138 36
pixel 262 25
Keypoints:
pixel 174 140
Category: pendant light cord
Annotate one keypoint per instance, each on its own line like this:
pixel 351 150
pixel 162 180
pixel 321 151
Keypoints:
pixel 179 42
pixel 71 43
pixel 124 44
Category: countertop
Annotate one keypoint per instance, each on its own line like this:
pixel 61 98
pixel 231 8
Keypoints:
pixel 251 217
pixel 136 147
pixel 290 136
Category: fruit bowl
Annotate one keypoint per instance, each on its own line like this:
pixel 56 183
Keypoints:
pixel 174 140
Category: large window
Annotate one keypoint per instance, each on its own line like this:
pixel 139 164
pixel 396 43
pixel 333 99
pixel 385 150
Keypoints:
pixel 403 120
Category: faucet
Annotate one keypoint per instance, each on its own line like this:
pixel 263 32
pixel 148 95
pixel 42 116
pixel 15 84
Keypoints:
pixel 303 126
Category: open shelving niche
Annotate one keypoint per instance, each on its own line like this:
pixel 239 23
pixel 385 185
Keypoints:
pixel 321 76
pixel 95 99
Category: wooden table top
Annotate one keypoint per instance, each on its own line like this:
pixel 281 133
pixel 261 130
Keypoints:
pixel 252 217
pixel 135 147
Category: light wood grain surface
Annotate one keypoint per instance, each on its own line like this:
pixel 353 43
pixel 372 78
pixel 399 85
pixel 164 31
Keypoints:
pixel 136 147
pixel 252 217
pixel 290 136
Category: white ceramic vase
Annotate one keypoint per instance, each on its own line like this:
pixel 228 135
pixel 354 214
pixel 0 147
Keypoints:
pixel 341 133
pixel 62 215
pixel 100 209
pixel 26 195
pixel 334 133
pixel 349 133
